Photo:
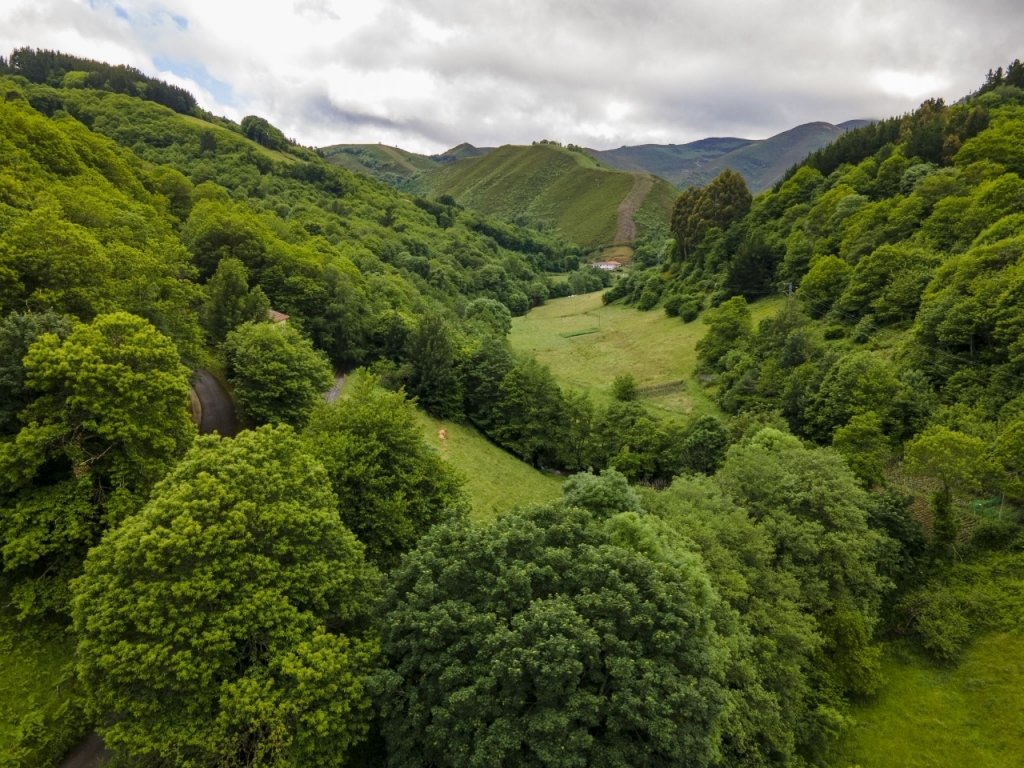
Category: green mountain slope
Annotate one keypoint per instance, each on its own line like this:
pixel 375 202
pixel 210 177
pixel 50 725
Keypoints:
pixel 761 162
pixel 463 151
pixel 669 160
pixel 392 165
pixel 576 194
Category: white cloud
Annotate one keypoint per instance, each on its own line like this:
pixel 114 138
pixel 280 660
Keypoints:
pixel 428 74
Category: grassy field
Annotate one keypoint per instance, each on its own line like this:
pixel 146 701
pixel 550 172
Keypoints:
pixel 653 348
pixel 945 718
pixel 568 190
pixel 496 480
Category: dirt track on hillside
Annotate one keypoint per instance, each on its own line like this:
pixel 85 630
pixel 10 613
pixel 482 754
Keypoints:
pixel 642 185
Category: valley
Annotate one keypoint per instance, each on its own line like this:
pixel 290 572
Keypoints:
pixel 752 497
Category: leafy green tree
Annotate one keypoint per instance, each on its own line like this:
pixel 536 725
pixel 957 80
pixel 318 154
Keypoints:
pixel 817 515
pixel 263 133
pixel 391 486
pixel 720 204
pixel 752 267
pixel 945 523
pixel 487 367
pixel 624 388
pixel 18 331
pixel 579 414
pixel 225 623
pixel 823 284
pixel 858 383
pixel 960 462
pixel 491 315
pixel 432 351
pixel 229 302
pixel 548 638
pixel 176 187
pixel 728 325
pixel 778 707
pixel 108 419
pixel 54 265
pixel 863 444
pixel 602 496
pixel 529 414
pixel 704 443
pixel 277 375
pixel 1009 452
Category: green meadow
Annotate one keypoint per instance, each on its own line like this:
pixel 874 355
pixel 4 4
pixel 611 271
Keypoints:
pixel 960 717
pixel 587 345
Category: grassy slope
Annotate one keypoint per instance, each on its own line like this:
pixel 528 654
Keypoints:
pixel 927 716
pixel 653 348
pixel 668 160
pixel 465 150
pixel 656 210
pixel 568 190
pixel 217 129
pixel 496 480
pixel 377 159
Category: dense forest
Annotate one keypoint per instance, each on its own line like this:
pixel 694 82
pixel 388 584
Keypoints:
pixel 315 592
pixel 901 344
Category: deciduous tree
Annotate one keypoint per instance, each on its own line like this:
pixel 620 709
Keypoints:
pixel 224 623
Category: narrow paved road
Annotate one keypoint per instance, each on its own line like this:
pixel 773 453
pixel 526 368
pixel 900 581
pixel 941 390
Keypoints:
pixel 218 410
pixel 89 754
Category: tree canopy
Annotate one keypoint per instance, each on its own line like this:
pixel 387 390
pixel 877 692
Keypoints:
pixel 225 623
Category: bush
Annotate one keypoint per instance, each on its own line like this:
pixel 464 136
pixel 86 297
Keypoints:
pixel 672 305
pixel 689 310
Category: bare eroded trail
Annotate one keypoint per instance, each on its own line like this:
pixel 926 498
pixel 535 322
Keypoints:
pixel 642 185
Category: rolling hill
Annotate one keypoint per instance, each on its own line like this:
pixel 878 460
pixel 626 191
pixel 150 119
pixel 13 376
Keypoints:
pixel 586 199
pixel 389 164
pixel 461 152
pixel 761 162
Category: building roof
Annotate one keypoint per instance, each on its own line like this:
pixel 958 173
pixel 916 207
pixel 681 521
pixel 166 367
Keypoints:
pixel 276 317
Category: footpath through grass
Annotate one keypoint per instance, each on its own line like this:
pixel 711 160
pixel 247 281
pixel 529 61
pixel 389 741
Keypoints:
pixel 929 717
pixel 653 348
pixel 496 480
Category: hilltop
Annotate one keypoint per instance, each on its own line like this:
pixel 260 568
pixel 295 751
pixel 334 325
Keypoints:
pixel 461 152
pixel 761 162
pixel 392 165
pixel 546 183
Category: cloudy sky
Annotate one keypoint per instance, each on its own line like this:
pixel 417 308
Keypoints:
pixel 428 74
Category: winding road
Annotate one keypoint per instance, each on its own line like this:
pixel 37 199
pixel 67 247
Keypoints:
pixel 218 410
pixel 91 753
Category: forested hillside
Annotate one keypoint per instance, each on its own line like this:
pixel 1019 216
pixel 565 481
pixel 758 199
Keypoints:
pixel 392 165
pixel 901 346
pixel 712 589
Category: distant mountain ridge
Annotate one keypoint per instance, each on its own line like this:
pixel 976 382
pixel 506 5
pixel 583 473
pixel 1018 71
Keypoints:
pixel 761 162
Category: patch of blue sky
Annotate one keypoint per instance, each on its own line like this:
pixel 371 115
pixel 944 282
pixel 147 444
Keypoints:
pixel 197 72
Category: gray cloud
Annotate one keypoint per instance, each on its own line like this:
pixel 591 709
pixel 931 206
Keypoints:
pixel 427 74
